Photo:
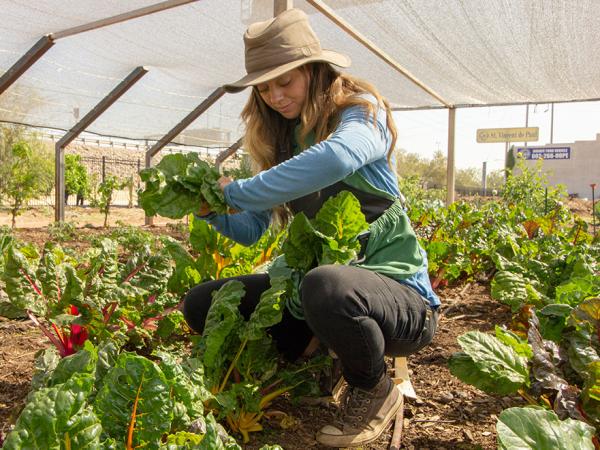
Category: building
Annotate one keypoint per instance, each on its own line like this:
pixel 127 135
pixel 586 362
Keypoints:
pixel 575 165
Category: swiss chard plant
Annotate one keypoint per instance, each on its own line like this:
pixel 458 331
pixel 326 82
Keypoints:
pixel 102 397
pixel 177 186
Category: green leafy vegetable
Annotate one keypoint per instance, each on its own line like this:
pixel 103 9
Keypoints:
pixel 178 184
pixel 539 429
pixel 488 364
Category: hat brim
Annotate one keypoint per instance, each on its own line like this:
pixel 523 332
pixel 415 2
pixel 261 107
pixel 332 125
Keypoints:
pixel 254 78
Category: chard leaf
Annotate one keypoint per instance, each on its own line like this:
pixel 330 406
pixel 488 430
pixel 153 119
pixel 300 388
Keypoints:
pixel 108 351
pixel 177 186
pixel 49 274
pixel 102 279
pixel 44 364
pixel 185 275
pixel 57 418
pixel 84 361
pixel 341 218
pixel 21 284
pixel 582 335
pixel 185 392
pixel 547 373
pixel 135 401
pixel 514 290
pixel 267 313
pixel 553 319
pixel 73 289
pixel 222 319
pixel 539 429
pixel 488 364
pixel 577 289
pixel 302 244
pixel 182 440
pixel 258 361
pixel 590 395
pixel 513 340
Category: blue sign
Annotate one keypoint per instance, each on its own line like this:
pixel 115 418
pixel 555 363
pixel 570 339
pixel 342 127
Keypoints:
pixel 545 153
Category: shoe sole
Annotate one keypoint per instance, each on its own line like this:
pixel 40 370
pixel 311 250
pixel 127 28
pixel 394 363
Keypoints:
pixel 323 438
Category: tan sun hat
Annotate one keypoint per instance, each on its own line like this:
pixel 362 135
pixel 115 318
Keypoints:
pixel 280 44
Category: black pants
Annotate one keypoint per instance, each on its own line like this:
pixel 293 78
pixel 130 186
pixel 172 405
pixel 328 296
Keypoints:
pixel 361 315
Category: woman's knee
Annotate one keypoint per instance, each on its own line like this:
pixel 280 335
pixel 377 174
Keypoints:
pixel 322 288
pixel 195 307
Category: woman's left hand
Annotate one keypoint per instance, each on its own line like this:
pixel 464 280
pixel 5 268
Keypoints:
pixel 224 181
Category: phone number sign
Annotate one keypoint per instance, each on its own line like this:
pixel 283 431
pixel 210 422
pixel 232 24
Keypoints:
pixel 545 153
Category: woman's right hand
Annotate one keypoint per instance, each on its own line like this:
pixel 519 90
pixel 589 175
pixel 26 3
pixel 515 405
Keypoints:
pixel 204 209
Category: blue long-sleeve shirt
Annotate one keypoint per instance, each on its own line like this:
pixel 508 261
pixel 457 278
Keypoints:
pixel 355 145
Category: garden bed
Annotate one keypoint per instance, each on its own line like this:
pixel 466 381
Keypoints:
pixel 448 414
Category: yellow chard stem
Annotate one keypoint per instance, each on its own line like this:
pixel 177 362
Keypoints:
pixel 232 365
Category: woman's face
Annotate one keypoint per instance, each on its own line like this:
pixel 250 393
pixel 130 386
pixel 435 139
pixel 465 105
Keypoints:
pixel 287 93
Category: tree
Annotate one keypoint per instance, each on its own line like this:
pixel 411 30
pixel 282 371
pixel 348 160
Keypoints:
pixel 76 179
pixel 106 190
pixel 26 169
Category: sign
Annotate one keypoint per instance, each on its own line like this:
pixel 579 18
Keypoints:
pixel 488 135
pixel 545 153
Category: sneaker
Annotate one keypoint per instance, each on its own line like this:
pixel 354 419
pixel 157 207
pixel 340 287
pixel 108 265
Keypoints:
pixel 364 415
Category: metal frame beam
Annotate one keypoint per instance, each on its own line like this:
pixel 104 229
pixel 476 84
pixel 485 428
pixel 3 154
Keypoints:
pixel 187 120
pixel 89 118
pixel 140 12
pixel 221 157
pixel 25 62
pixel 450 162
pixel 44 43
pixel 331 15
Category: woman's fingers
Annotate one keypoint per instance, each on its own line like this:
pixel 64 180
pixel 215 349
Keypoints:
pixel 224 181
pixel 204 209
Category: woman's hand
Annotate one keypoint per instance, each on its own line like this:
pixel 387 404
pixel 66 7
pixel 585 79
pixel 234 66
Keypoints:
pixel 224 181
pixel 205 207
pixel 204 210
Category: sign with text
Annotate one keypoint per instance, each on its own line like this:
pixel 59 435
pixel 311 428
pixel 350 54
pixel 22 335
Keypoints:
pixel 545 153
pixel 489 135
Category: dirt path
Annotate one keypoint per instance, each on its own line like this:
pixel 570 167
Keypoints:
pixel 80 216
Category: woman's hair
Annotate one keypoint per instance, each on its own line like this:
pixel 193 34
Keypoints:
pixel 330 92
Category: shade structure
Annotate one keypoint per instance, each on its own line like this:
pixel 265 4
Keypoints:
pixel 468 51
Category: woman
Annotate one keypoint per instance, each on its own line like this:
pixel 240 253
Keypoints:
pixel 313 133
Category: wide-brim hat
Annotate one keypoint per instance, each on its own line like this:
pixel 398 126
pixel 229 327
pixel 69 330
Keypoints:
pixel 278 45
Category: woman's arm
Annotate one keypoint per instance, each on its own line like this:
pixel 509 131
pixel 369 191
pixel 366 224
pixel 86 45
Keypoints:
pixel 355 143
pixel 245 227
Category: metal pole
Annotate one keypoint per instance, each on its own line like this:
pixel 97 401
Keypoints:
pixel 25 62
pixel 526 119
pixel 552 123
pixel 593 186
pixel 505 161
pixel 59 190
pixel 221 157
pixel 450 166
pixel 148 220
pixel 120 18
pixel 331 15
pixel 484 178
pixel 105 103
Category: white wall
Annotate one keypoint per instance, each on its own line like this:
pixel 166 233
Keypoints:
pixel 578 172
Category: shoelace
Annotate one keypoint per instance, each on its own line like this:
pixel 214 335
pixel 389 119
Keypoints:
pixel 354 407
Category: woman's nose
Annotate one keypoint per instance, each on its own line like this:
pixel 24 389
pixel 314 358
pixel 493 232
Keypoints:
pixel 276 95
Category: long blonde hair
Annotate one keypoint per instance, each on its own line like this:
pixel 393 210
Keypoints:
pixel 330 92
